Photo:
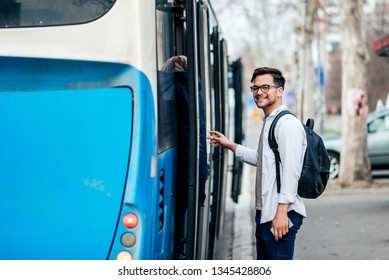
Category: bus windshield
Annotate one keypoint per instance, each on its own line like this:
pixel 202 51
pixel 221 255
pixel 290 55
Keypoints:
pixel 32 13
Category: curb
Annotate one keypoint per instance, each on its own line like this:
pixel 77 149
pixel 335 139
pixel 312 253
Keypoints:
pixel 377 186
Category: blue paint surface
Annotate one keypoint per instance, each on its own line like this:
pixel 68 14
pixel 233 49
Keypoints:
pixel 78 151
pixel 63 163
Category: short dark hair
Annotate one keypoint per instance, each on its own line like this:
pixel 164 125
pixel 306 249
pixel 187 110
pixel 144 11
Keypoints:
pixel 279 80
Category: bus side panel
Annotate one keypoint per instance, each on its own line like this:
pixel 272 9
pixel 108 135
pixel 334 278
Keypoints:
pixel 145 191
pixel 164 239
pixel 63 165
pixel 104 110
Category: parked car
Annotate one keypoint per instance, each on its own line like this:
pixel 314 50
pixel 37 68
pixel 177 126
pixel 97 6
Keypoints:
pixel 377 142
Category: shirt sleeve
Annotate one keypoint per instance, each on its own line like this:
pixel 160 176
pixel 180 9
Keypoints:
pixel 246 155
pixel 291 141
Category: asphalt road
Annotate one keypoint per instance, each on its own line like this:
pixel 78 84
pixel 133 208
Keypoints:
pixel 349 225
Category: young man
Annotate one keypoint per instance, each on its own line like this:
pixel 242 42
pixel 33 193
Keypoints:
pixel 278 215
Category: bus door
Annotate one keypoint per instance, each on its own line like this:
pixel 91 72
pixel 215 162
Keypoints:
pixel 236 85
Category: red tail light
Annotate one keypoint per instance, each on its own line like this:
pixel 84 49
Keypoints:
pixel 130 220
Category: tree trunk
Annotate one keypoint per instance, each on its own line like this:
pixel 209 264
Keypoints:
pixel 306 101
pixel 355 165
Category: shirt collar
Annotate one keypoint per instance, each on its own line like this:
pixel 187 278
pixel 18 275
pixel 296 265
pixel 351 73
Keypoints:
pixel 275 112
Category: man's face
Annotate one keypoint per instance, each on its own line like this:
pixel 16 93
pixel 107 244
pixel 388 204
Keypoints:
pixel 268 99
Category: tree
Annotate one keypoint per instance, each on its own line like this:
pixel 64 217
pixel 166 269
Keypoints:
pixel 261 33
pixel 375 20
pixel 355 164
pixel 307 108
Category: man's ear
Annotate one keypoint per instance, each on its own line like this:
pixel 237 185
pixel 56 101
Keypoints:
pixel 280 90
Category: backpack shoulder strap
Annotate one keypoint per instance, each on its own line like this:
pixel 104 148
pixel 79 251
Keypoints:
pixel 274 146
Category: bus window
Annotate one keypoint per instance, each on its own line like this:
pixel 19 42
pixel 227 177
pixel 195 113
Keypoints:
pixel 30 13
pixel 167 122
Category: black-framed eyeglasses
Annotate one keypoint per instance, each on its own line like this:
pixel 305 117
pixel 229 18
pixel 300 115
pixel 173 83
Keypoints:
pixel 264 88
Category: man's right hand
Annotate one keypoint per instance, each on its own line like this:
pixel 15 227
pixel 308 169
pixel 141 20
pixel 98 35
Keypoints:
pixel 217 139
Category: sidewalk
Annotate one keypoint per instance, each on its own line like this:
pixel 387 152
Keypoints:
pixel 377 186
pixel 244 215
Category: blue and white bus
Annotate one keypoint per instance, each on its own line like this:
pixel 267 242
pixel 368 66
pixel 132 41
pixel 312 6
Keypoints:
pixel 88 146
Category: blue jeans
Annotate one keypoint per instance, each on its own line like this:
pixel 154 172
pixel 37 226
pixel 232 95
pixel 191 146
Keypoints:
pixel 270 249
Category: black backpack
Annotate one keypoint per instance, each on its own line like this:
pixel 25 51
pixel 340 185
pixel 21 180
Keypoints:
pixel 316 167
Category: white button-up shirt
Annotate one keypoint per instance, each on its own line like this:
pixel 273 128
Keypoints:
pixel 292 143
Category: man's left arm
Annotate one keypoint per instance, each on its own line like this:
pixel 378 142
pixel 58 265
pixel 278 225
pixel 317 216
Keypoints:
pixel 290 139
